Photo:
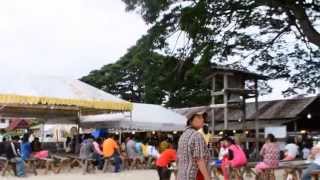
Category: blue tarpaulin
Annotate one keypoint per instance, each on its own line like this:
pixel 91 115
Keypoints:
pixel 99 133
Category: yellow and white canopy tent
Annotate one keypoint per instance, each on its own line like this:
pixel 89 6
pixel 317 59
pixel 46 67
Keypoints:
pixel 56 98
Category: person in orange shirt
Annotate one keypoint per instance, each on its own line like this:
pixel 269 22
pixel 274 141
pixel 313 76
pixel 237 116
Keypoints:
pixel 110 148
pixel 163 162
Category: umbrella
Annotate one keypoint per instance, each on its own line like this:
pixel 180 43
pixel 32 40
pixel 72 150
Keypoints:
pixel 99 133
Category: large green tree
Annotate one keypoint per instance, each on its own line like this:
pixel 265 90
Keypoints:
pixel 277 37
pixel 132 77
pixel 144 76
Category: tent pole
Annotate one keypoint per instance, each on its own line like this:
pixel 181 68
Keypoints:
pixel 257 118
pixel 78 121
pixel 42 132
pixel 131 119
pixel 213 102
pixel 120 136
pixel 77 149
pixel 225 101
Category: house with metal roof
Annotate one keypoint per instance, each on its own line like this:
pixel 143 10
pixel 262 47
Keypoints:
pixel 297 114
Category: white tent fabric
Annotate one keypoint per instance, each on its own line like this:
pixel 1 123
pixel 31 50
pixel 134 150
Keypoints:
pixel 46 90
pixel 146 117
pixel 49 86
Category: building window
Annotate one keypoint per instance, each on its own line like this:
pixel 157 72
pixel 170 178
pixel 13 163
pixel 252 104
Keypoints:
pixel 3 121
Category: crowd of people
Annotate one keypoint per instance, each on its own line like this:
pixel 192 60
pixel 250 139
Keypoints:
pixel 133 153
pixel 18 150
pixel 190 155
pixel 196 153
pixel 194 159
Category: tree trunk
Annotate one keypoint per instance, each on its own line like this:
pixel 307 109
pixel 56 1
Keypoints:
pixel 299 12
pixel 305 24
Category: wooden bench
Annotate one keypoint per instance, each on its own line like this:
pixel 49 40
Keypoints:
pixel 243 172
pixel 49 165
pixel 74 161
pixel 293 168
pixel 267 174
pixel 125 163
pixel 135 163
pixel 247 171
pixel 88 165
pixel 107 162
pixel 31 165
pixel 315 174
pixel 63 163
pixel 2 161
pixel 215 172
pixel 10 166
pixel 236 173
pixel 7 166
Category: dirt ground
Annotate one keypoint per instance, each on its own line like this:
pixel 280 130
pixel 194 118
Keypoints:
pixel 125 175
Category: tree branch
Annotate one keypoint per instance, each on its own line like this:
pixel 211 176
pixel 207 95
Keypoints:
pixel 305 24
pixel 286 29
pixel 301 16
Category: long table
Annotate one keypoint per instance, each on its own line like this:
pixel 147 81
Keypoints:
pixel 291 168
pixel 294 168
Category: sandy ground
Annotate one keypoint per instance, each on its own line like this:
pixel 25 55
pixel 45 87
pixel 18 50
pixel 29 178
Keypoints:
pixel 126 175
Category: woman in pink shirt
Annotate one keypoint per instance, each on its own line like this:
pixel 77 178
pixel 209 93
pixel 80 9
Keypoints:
pixel 236 157
pixel 271 154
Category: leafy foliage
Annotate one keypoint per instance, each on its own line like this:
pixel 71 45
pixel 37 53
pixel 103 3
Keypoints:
pixel 276 37
pixel 147 77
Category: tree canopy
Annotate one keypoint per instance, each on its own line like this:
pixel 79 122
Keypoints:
pixel 277 37
pixel 145 76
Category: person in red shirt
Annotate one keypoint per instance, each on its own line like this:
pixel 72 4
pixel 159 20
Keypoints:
pixel 163 162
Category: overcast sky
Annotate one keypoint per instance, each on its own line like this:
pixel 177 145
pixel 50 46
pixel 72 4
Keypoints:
pixel 65 37
pixel 68 37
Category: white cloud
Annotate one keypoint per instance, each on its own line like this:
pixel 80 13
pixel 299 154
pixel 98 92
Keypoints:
pixel 65 38
pixel 278 86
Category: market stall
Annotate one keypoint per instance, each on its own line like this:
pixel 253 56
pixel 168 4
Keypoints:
pixel 56 98
pixel 144 117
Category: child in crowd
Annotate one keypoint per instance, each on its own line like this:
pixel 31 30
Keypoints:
pixel 235 157
pixel 168 156
pixel 37 150
pixel 291 150
pixel 25 147
pixel 306 150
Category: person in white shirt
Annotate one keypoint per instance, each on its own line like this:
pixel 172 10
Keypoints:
pixel 315 165
pixel 153 154
pixel 306 149
pixel 306 153
pixel 223 151
pixel 291 150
